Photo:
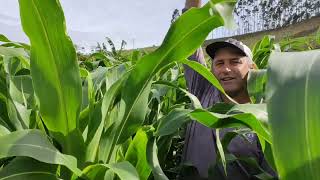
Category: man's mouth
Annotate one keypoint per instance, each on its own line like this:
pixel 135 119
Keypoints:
pixel 226 79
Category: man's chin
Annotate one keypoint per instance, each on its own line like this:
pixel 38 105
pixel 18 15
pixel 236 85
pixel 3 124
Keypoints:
pixel 232 92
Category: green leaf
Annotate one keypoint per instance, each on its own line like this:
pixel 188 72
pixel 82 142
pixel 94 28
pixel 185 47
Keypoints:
pixel 107 146
pixel 195 101
pixel 21 100
pixel 54 70
pixel 3 131
pixel 258 110
pixel 99 120
pixel 152 158
pixel 253 116
pixel 95 129
pixel 203 71
pixel 215 120
pixel 88 98
pixel 34 144
pixel 268 155
pixel 21 90
pixel 182 39
pixel 23 168
pixel 13 52
pixel 221 151
pixel 137 155
pixel 124 170
pixel 19 53
pixel 3 38
pixel 256 83
pixel 172 122
pixel 135 56
pixel 262 50
pixel 15 119
pixel 293 107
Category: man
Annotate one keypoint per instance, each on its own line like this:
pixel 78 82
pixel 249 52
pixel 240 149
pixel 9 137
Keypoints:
pixel 231 62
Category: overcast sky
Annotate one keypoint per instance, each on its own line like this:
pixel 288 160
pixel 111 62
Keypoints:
pixel 89 21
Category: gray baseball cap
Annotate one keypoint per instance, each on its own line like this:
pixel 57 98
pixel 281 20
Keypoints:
pixel 212 48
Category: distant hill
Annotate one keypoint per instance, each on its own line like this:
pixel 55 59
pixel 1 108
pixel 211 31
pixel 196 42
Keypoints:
pixel 301 29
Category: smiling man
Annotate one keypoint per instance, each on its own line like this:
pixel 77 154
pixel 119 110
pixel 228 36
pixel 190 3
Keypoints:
pixel 231 62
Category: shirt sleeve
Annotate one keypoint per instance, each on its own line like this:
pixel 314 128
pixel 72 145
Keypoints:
pixel 196 83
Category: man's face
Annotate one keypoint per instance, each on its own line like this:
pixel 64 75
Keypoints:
pixel 231 68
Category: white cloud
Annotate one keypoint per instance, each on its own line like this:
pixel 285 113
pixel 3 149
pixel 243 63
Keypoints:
pixel 146 21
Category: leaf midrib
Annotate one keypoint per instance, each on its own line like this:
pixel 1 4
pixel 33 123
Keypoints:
pixel 306 115
pixel 55 65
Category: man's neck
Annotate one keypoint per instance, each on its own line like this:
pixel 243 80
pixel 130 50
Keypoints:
pixel 241 98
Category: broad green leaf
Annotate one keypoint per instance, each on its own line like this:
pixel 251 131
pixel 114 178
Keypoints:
pixel 115 73
pixel 256 83
pixel 13 52
pixel 15 119
pixel 253 116
pixel 258 110
pixel 137 155
pixel 23 114
pixel 182 39
pixel 215 120
pixel 135 56
pixel 124 170
pixel 54 70
pixel 34 144
pixel 203 71
pixel 172 122
pixel 23 168
pixel 8 43
pixel 21 100
pixel 11 65
pixel 109 116
pixel 152 158
pixel 293 107
pixel 95 129
pixel 21 90
pixel 97 116
pixel 3 131
pixel 19 53
pixel 106 150
pixel 115 79
pixel 3 38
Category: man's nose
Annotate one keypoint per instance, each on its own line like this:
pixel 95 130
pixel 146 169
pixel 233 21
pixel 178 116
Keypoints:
pixel 226 68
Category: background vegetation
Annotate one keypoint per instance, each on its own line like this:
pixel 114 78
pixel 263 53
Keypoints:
pixel 112 114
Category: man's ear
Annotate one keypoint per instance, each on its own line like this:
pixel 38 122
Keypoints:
pixel 253 66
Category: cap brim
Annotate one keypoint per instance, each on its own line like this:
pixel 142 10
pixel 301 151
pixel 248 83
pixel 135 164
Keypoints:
pixel 211 49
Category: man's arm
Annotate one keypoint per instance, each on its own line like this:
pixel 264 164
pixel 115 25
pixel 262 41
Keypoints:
pixel 192 3
pixel 195 82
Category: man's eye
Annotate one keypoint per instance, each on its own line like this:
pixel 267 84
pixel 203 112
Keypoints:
pixel 236 61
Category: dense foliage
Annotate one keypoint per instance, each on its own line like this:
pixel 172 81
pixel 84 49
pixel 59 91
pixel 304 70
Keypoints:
pixel 112 115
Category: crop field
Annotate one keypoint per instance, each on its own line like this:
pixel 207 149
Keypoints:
pixel 122 115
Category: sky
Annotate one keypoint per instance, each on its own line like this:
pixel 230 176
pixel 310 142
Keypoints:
pixel 140 23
